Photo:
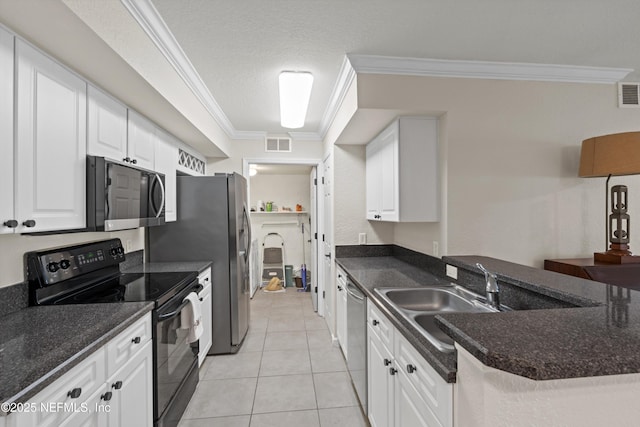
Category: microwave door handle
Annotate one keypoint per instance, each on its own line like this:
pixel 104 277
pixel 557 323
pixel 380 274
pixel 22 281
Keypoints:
pixel 159 211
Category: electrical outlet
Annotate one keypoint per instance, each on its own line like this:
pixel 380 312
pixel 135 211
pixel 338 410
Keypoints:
pixel 452 271
pixel 436 248
pixel 362 238
pixel 128 246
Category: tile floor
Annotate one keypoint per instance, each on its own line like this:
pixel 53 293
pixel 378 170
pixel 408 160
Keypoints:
pixel 287 373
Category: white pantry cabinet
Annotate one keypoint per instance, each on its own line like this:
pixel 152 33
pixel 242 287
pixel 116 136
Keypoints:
pixel 51 143
pixel 97 391
pixel 8 223
pixel 404 390
pixel 166 162
pixel 341 310
pixel 402 172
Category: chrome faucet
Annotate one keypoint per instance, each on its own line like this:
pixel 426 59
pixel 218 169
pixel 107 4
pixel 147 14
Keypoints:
pixel 492 290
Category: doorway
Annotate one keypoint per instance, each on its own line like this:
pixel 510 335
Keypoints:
pixel 275 189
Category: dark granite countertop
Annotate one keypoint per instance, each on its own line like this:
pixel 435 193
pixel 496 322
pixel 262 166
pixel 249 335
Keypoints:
pixel 39 344
pixel 168 267
pixel 598 334
pixel 369 273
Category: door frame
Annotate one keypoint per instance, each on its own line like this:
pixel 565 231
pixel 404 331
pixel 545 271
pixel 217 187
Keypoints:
pixel 317 164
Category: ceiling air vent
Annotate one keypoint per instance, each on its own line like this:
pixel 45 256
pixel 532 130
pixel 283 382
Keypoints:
pixel 277 145
pixel 629 95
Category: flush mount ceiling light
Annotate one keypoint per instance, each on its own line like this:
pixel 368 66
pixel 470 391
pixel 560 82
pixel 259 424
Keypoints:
pixel 295 91
pixel 253 170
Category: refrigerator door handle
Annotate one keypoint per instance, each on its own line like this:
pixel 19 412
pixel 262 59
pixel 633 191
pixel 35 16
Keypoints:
pixel 247 250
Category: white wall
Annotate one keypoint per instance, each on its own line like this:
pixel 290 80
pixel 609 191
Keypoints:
pixel 349 193
pixel 13 247
pixel 283 190
pixel 301 150
pixel 512 151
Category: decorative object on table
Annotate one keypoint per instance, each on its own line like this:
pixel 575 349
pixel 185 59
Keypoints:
pixel 298 208
pixel 606 156
pixel 260 206
pixel 269 206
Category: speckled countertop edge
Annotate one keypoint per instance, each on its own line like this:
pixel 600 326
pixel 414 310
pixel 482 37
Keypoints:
pixel 386 269
pixel 78 343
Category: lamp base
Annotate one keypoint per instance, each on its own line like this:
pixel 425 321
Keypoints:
pixel 616 258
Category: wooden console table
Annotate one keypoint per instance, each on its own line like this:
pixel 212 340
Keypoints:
pixel 626 275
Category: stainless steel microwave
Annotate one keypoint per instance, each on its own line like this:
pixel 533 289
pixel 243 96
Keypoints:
pixel 121 196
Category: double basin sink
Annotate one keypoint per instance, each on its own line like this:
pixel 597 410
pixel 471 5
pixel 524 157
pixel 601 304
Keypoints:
pixel 419 306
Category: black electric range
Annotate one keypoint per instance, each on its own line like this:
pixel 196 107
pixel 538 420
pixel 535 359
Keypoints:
pixel 90 274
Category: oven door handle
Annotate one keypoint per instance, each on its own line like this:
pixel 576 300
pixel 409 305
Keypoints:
pixel 167 316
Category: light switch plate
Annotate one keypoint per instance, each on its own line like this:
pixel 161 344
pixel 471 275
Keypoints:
pixel 362 238
pixel 452 271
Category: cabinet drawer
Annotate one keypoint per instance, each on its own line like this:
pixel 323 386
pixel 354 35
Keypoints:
pixel 128 343
pixel 380 325
pixel 437 394
pixel 54 404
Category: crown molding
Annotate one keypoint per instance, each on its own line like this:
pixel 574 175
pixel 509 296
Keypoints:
pixel 343 83
pixel 371 64
pixel 305 136
pixel 147 16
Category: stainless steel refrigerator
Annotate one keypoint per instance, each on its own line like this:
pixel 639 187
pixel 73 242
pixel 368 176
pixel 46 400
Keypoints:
pixel 213 225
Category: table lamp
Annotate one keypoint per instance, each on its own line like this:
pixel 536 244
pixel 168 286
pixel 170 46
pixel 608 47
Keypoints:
pixel 606 156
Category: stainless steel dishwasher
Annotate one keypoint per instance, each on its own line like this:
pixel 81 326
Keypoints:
pixel 357 341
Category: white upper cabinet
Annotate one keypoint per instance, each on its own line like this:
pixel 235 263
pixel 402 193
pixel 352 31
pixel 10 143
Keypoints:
pixel 8 222
pixel 402 172
pixel 118 133
pixel 107 126
pixel 166 161
pixel 142 141
pixel 51 143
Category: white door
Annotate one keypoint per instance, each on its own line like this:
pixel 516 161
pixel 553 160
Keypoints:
pixel 51 144
pixel 313 236
pixel 107 127
pixel 6 133
pixel 329 294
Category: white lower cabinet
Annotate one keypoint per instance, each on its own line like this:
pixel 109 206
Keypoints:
pixel 206 340
pixel 404 390
pixel 98 392
pixel 341 310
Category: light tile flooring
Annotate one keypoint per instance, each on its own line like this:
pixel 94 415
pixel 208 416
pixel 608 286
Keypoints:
pixel 287 373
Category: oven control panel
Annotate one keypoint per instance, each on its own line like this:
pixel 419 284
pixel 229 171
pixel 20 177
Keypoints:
pixel 57 265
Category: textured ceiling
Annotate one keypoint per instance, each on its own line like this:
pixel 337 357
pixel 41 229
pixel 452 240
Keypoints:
pixel 239 47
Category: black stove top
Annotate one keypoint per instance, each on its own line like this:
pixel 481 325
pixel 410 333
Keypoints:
pixel 90 273
pixel 132 287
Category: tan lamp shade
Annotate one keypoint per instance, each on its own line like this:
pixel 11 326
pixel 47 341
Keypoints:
pixel 615 154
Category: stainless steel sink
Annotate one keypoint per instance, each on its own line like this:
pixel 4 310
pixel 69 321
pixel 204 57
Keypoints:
pixel 419 306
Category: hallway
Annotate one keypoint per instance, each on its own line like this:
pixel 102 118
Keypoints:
pixel 287 373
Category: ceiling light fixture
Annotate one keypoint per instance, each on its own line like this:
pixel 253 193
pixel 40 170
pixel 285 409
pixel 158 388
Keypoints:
pixel 253 170
pixel 295 91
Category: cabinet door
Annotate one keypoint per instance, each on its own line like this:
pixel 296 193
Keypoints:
pixel 166 161
pixel 410 408
pixel 107 126
pixel 141 138
pixel 373 178
pixel 51 143
pixel 128 343
pixel 379 382
pixel 389 186
pixel 94 414
pixel 6 132
pixel 131 401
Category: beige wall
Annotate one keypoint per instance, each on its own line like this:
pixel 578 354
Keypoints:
pixel 511 155
pixel 13 247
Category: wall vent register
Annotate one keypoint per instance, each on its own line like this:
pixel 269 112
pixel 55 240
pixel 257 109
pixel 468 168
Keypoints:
pixel 278 145
pixel 629 95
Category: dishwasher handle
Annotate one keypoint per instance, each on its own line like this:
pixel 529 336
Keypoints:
pixel 350 292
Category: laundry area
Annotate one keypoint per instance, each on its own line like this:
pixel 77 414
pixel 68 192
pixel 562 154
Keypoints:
pixel 280 200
